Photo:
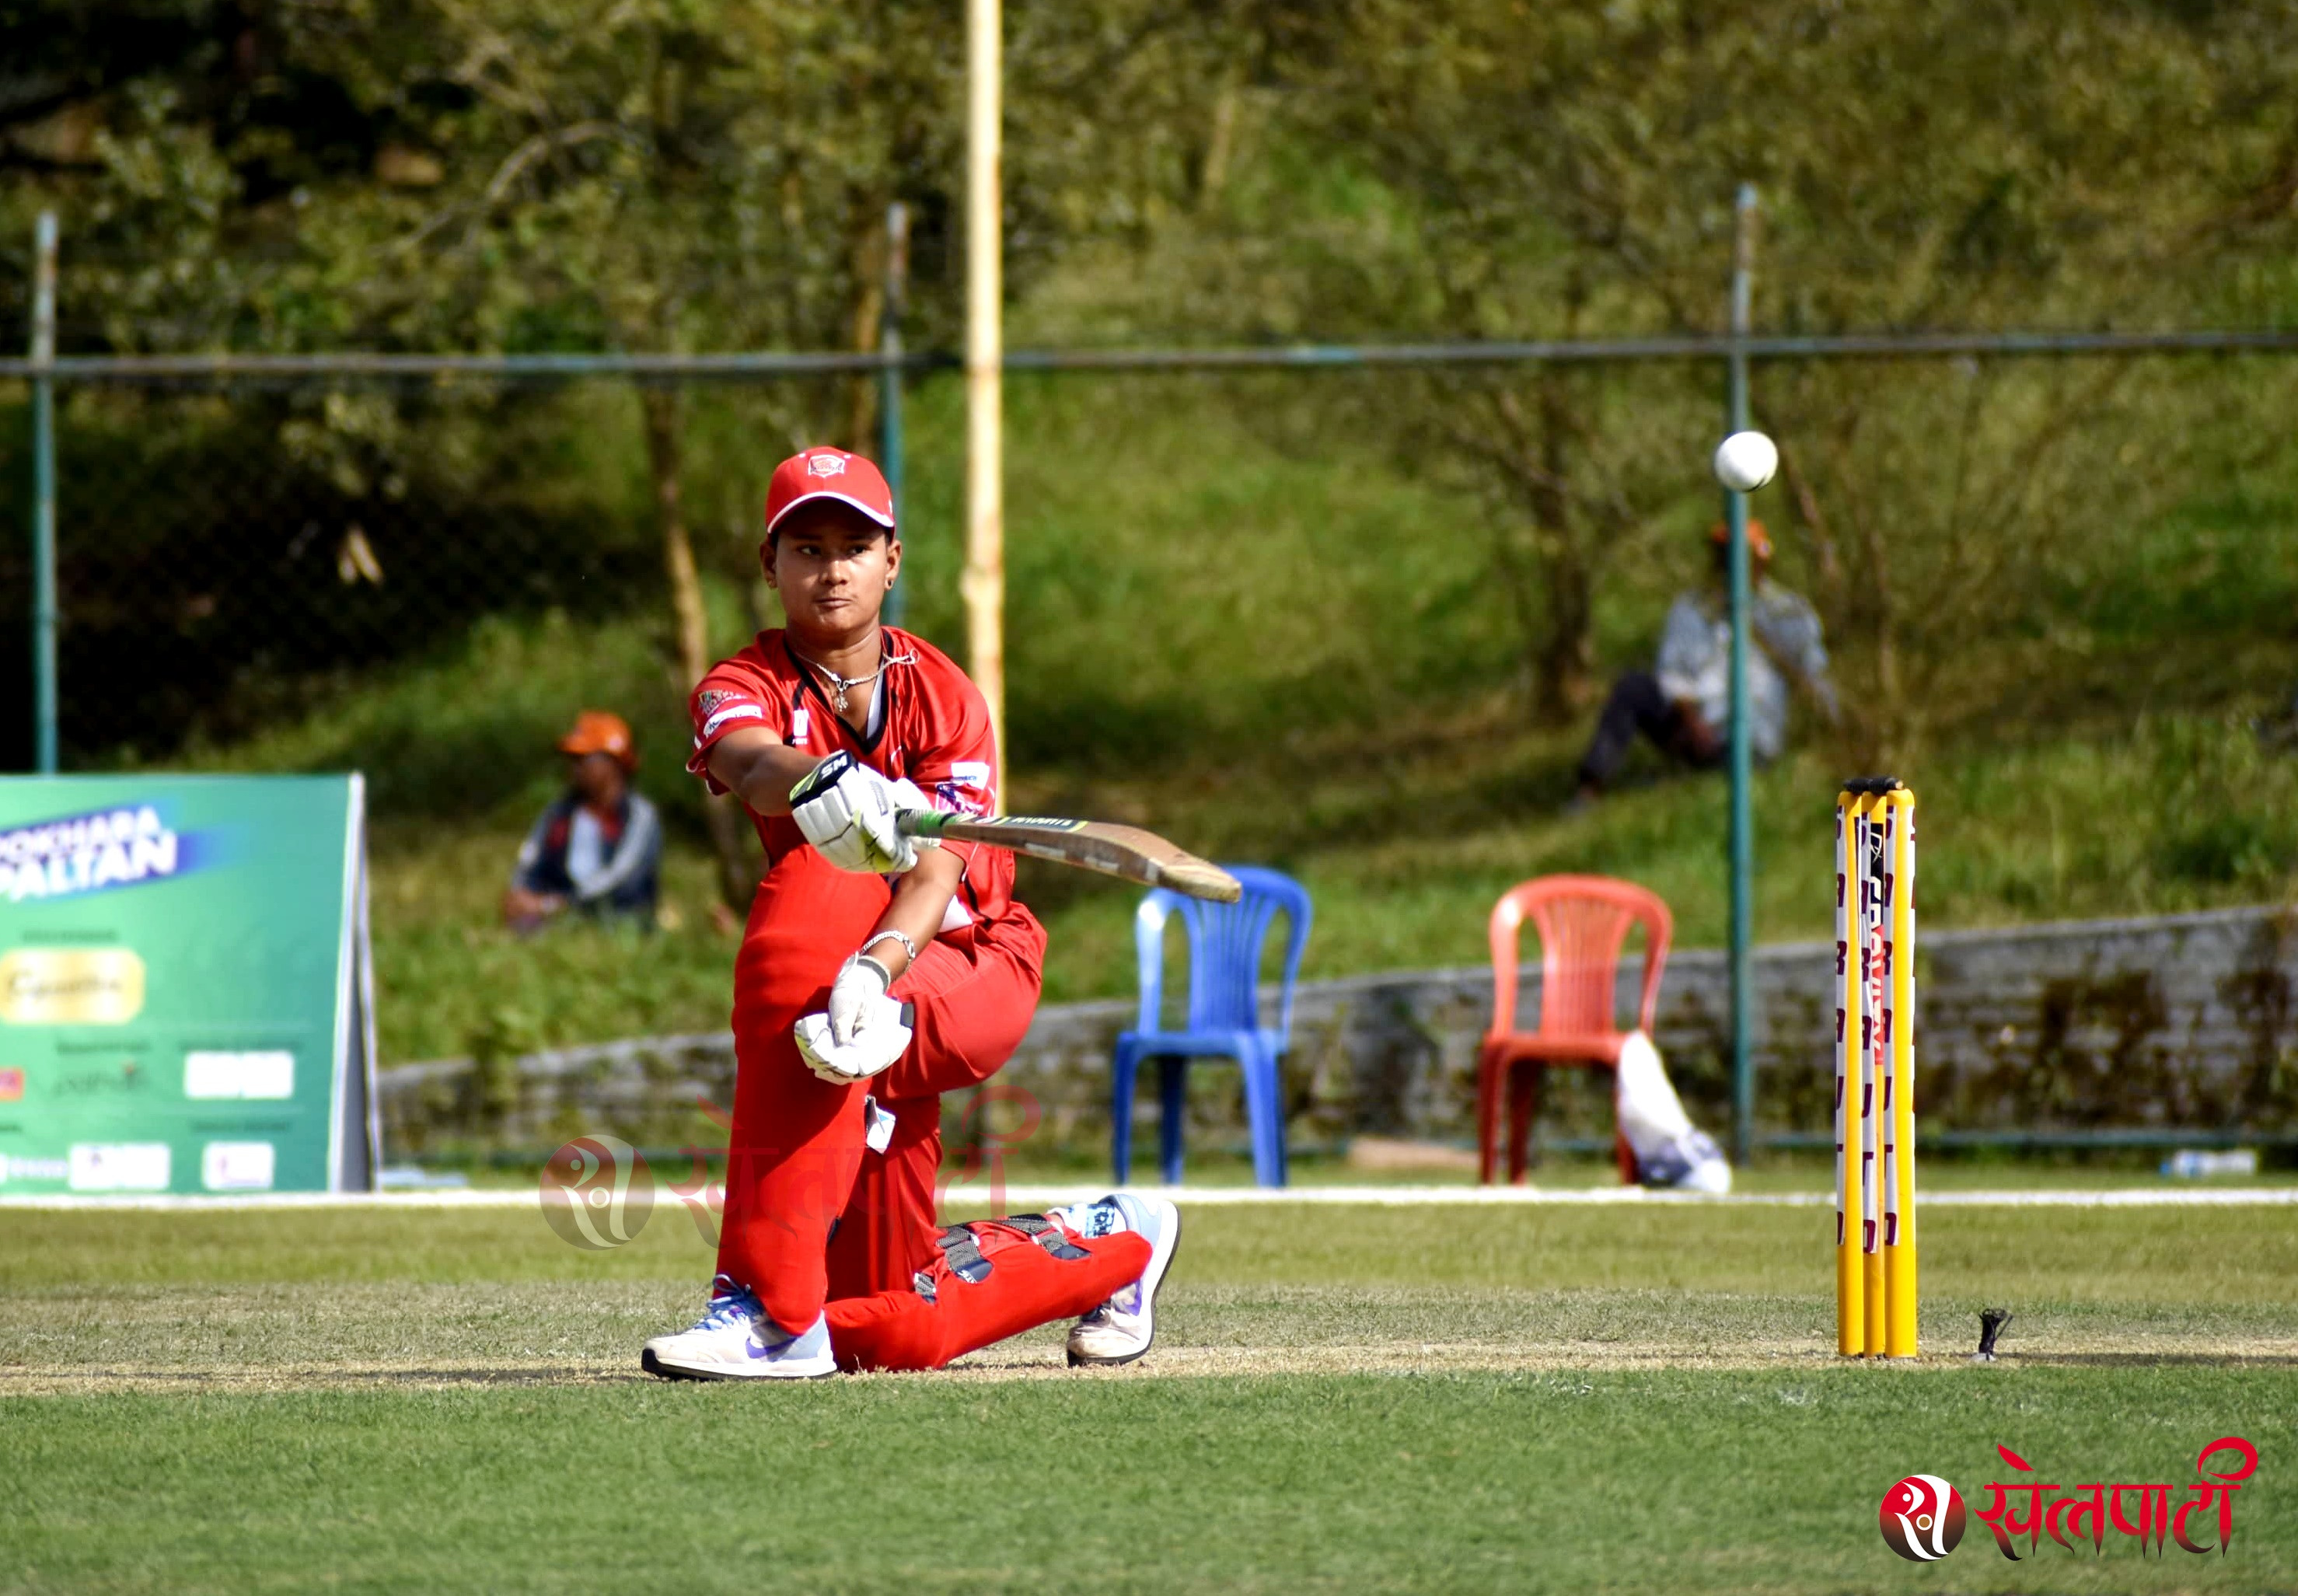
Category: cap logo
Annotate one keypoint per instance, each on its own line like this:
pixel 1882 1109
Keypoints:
pixel 825 465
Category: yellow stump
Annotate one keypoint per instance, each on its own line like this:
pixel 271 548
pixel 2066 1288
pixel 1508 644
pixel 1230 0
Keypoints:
pixel 1875 1292
pixel 1899 1232
pixel 1873 1055
pixel 1850 1297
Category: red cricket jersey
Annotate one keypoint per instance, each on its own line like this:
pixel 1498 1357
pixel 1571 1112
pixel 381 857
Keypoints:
pixel 932 727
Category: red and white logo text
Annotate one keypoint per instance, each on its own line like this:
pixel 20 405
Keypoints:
pixel 1922 1518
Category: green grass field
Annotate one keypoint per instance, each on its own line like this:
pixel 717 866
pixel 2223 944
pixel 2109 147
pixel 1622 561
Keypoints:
pixel 1342 1399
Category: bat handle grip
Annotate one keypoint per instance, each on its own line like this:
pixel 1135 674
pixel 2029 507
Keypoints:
pixel 921 823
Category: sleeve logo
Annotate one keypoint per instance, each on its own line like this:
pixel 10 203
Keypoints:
pixel 741 710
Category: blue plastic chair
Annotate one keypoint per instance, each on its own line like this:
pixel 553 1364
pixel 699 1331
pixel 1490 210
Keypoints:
pixel 1225 945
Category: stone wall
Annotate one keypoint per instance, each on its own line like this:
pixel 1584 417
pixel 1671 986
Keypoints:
pixel 2176 1022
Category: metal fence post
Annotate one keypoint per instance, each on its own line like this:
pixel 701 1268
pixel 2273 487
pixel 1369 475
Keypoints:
pixel 1743 836
pixel 44 498
pixel 890 377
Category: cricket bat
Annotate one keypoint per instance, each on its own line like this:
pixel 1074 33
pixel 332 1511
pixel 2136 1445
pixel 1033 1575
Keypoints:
pixel 1126 851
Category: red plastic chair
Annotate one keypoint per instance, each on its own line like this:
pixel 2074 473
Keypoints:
pixel 1583 921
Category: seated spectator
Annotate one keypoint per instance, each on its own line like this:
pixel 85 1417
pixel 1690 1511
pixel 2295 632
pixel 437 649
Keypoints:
pixel 598 849
pixel 1683 703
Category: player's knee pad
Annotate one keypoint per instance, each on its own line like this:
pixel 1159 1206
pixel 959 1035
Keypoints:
pixel 967 1251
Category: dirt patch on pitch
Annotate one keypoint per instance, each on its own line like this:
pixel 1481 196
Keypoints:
pixel 1435 1357
pixel 331 1376
pixel 1043 1362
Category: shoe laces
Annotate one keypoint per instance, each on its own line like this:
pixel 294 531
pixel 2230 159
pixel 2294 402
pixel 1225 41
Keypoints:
pixel 730 1304
pixel 1096 1219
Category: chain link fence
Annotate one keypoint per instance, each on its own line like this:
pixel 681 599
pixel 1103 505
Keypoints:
pixel 1973 527
pixel 1242 573
pixel 231 555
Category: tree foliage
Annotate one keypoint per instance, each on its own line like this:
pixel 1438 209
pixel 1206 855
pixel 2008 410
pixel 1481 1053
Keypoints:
pixel 684 175
pixel 1491 170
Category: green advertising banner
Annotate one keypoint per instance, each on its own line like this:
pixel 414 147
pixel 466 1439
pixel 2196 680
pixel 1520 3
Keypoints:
pixel 186 1003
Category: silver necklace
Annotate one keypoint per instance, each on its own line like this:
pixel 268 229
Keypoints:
pixel 846 684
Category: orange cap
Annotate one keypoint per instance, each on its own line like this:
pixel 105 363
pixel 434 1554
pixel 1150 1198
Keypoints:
pixel 1759 542
pixel 598 732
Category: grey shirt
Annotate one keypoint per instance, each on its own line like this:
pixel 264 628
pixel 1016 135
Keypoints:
pixel 1695 660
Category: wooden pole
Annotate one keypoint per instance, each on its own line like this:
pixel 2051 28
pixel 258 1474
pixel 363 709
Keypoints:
pixel 891 444
pixel 983 584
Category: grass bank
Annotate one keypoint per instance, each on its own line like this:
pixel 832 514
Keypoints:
pixel 1303 658
pixel 1405 859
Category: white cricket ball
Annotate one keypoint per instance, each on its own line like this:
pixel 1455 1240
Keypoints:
pixel 1745 461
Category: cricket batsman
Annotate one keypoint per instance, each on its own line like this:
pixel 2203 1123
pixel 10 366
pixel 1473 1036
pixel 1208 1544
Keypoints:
pixel 877 971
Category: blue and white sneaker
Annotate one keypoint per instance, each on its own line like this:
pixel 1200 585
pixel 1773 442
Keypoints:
pixel 734 1339
pixel 1123 1328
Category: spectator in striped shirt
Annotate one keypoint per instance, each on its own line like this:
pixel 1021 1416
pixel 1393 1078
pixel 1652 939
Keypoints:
pixel 597 850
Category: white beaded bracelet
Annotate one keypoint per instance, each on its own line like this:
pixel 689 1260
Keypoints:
pixel 901 937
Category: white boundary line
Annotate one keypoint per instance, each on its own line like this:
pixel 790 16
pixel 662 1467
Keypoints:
pixel 1028 1198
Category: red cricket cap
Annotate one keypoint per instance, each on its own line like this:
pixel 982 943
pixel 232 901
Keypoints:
pixel 828 474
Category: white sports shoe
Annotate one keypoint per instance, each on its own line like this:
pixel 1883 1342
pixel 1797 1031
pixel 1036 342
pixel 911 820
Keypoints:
pixel 734 1339
pixel 1121 1328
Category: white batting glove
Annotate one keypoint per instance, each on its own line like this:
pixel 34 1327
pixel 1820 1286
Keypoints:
pixel 862 980
pixel 879 1037
pixel 848 811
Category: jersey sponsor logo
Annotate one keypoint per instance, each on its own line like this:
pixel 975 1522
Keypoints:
pixel 732 712
pixel 826 465
pixel 954 798
pixel 707 703
pixel 801 719
pixel 965 789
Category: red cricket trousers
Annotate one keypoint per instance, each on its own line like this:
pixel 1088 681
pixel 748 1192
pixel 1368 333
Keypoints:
pixel 811 1214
